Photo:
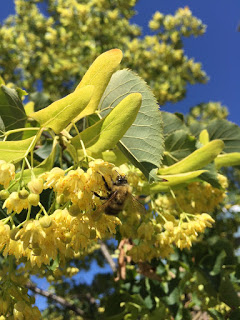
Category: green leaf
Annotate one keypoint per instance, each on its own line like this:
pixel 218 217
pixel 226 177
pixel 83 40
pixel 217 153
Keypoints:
pixel 178 145
pixel 235 315
pixel 228 132
pixel 228 293
pixel 218 263
pixel 61 112
pixel 142 144
pixel 215 314
pixel 173 297
pixel 14 151
pixel 12 111
pixel 105 133
pixel 44 151
pixel 210 175
pixel 172 123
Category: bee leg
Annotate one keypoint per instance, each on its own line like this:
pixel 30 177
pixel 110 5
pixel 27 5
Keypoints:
pixel 101 198
pixel 106 185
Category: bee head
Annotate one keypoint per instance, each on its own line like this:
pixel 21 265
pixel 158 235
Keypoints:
pixel 121 180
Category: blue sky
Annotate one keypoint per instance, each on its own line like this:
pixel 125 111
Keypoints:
pixel 218 50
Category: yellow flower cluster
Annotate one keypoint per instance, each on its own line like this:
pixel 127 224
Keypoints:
pixel 15 303
pixel 73 227
pixel 23 199
pixel 66 231
pixel 198 197
pixel 163 226
pixel 184 231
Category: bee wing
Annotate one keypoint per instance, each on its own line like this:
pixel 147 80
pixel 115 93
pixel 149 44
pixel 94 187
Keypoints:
pixel 102 208
pixel 136 205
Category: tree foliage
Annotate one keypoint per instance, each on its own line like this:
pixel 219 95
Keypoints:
pixel 175 238
pixel 52 48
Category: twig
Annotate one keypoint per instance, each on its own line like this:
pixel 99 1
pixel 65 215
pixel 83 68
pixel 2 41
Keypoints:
pixel 107 256
pixel 55 298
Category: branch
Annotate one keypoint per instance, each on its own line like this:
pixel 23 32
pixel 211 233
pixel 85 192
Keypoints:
pixel 107 256
pixel 55 298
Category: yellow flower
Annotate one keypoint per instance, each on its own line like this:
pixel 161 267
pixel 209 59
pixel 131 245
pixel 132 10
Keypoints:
pixel 7 173
pixel 52 177
pixel 5 235
pixel 15 204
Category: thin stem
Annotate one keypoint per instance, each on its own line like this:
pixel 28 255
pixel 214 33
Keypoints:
pixel 27 218
pixel 43 209
pixel 174 197
pixel 82 144
pixel 6 134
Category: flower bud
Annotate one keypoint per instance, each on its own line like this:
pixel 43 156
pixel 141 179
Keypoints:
pixel 36 186
pixel 74 210
pixel 4 194
pixel 45 222
pixel 13 234
pixel 23 194
pixel 37 251
pixel 61 199
pixel 67 237
pixel 33 199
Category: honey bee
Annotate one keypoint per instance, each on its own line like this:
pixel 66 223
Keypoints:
pixel 119 194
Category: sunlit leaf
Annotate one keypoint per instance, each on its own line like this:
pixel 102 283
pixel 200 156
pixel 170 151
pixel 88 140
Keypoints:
pixel 61 112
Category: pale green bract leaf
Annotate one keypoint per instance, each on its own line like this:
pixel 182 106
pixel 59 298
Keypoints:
pixel 227 160
pixel 14 151
pixel 61 112
pixel 142 144
pixel 105 133
pixel 196 160
pixel 175 180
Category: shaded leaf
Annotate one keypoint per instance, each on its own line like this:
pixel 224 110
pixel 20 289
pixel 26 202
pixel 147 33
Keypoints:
pixel 218 263
pixel 41 100
pixel 228 293
pixel 142 144
pixel 228 132
pixel 211 175
pixel 12 111
pixel 178 145
pixel 172 123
